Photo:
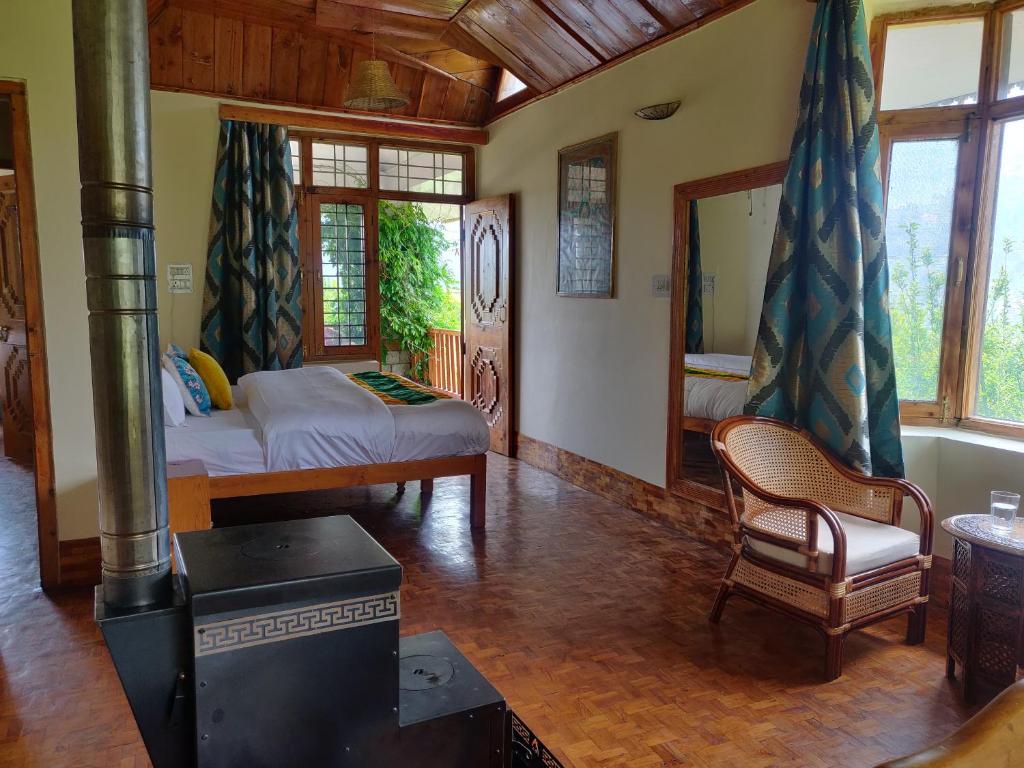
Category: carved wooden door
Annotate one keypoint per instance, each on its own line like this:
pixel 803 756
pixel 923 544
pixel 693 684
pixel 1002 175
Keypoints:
pixel 16 392
pixel 487 282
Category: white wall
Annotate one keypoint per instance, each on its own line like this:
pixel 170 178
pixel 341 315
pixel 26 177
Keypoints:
pixel 185 132
pixel 35 45
pixel 736 233
pixel 593 374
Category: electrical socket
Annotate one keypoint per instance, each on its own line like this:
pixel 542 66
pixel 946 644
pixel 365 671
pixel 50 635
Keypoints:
pixel 661 286
pixel 709 284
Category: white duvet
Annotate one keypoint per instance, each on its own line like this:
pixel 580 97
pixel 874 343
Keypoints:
pixel 711 398
pixel 316 417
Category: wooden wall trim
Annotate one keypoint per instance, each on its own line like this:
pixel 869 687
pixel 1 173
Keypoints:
pixel 46 500
pixel 80 562
pixel 697 521
pixel 706 525
pixel 393 128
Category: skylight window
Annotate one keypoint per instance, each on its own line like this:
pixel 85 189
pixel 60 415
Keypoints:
pixel 509 85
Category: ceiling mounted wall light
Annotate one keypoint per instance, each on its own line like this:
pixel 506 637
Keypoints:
pixel 658 111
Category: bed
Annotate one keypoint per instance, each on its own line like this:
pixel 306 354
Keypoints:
pixel 315 428
pixel 714 388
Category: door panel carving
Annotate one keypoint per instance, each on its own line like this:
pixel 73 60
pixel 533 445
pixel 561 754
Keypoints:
pixel 485 257
pixel 488 317
pixel 16 406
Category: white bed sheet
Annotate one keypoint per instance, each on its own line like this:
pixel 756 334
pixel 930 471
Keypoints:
pixel 227 442
pixel 711 398
pixel 232 442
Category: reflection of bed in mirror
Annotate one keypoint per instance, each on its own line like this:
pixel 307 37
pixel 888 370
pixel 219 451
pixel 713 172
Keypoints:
pixel 715 388
pixel 724 231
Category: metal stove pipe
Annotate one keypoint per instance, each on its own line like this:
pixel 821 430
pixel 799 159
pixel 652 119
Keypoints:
pixel 112 85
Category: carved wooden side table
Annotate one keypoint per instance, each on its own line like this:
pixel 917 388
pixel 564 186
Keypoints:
pixel 986 605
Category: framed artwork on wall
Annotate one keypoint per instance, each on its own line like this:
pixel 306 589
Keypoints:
pixel 586 218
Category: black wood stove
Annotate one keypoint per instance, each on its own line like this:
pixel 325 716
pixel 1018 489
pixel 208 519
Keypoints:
pixel 281 648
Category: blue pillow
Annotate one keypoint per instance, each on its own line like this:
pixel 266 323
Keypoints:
pixel 190 384
pixel 173 350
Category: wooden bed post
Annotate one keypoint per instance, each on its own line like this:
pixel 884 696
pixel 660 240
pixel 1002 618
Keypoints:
pixel 478 495
pixel 427 486
pixel 188 496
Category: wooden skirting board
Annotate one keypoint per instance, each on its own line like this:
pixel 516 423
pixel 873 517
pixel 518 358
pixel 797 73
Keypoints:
pixel 705 524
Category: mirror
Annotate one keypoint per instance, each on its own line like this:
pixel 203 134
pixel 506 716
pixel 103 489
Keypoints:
pixel 724 232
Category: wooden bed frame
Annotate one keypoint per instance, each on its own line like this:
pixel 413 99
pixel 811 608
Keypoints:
pixel 697 424
pixel 190 487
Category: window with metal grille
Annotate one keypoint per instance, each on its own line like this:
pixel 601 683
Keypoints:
pixel 340 181
pixel 410 170
pixel 340 165
pixel 343 274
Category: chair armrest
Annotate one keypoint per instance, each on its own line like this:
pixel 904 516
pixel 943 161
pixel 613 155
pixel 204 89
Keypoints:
pixel 906 488
pixel 819 510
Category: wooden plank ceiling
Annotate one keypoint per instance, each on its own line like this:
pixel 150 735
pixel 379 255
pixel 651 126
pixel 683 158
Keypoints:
pixel 447 55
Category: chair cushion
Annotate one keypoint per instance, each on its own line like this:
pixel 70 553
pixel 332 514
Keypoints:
pixel 869 545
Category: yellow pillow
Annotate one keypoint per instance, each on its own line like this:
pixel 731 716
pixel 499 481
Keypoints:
pixel 213 377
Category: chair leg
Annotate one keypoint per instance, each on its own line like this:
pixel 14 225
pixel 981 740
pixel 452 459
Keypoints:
pixel 834 656
pixel 724 592
pixel 916 624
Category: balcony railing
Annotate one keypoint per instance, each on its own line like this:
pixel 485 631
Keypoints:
pixel 444 367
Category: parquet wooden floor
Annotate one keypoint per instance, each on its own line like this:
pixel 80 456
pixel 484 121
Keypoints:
pixel 590 619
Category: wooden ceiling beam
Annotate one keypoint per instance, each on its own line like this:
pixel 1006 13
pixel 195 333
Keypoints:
pixel 333 14
pixel 661 18
pixel 390 127
pixel 434 9
pixel 465 27
pixel 569 30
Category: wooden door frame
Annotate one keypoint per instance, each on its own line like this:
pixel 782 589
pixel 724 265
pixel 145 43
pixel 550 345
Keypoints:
pixel 35 333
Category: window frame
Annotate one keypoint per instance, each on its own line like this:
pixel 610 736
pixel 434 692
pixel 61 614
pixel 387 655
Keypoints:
pixel 977 170
pixel 309 196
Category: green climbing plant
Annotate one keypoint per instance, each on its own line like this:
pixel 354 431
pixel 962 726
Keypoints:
pixel 417 289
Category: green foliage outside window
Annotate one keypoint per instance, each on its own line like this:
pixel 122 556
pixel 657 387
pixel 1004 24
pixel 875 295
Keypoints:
pixel 1001 380
pixel 417 289
pixel 917 301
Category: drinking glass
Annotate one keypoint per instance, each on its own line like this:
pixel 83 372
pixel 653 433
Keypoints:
pixel 1004 510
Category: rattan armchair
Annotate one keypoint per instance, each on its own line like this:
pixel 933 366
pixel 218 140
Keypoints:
pixel 816 540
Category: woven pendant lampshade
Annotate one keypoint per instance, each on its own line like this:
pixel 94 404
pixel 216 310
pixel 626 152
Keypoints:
pixel 373 89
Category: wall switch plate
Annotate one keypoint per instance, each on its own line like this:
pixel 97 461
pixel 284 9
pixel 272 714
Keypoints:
pixel 179 278
pixel 709 284
pixel 661 286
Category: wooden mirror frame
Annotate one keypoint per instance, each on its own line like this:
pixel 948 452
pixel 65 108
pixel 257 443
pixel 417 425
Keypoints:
pixel 713 186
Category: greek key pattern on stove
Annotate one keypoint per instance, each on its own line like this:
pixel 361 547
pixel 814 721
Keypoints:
pixel 248 631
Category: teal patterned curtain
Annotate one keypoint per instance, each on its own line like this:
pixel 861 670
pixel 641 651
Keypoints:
pixel 694 288
pixel 252 311
pixel 824 356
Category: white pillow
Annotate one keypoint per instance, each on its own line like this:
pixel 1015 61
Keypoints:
pixel 174 406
